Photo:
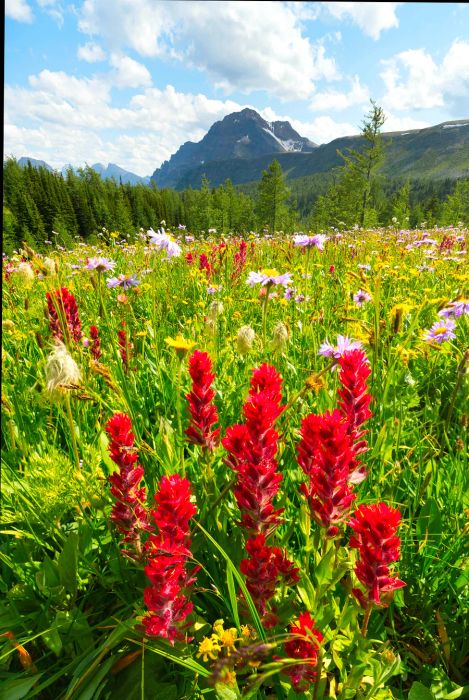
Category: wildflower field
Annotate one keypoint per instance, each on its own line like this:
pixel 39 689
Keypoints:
pixel 236 468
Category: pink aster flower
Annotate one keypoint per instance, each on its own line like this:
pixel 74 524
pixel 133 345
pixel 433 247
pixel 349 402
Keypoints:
pixel 344 344
pixel 316 241
pixel 455 309
pixel 99 264
pixel 361 297
pixel 441 331
pixel 268 278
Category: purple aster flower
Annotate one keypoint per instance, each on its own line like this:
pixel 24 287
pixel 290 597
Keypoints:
pixel 100 264
pixel 441 331
pixel 289 293
pixel 123 281
pixel 343 344
pixel 268 278
pixel 361 297
pixel 299 298
pixel 162 241
pixel 316 241
pixel 455 309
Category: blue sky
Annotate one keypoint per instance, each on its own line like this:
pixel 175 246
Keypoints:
pixel 129 81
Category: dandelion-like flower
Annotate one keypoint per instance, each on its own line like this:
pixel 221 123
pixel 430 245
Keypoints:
pixel 62 371
pixel 305 241
pixel 374 535
pixel 245 339
pixel 269 278
pixel 441 331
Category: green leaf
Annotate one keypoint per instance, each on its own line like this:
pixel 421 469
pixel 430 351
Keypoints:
pixel 17 688
pixel 67 564
pixel 420 692
pixel 232 595
pixel 224 692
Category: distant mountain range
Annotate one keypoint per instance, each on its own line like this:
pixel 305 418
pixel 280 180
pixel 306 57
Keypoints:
pixel 107 172
pixel 243 144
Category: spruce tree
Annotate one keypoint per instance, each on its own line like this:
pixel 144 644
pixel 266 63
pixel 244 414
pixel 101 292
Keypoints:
pixel 272 194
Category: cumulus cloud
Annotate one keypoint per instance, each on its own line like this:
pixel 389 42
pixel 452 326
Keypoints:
pixel 333 100
pixel 244 46
pixel 414 81
pixel 371 17
pixel 19 10
pixel 91 53
pixel 129 73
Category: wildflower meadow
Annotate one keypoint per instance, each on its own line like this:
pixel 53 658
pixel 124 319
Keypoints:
pixel 236 467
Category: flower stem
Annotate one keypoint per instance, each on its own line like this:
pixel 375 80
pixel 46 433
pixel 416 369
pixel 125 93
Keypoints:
pixel 72 430
pixel 179 415
pixel 264 312
pixel 366 620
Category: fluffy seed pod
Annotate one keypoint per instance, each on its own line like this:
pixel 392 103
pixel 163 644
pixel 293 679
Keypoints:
pixel 280 336
pixel 61 370
pixel 49 266
pixel 216 310
pixel 245 339
pixel 25 273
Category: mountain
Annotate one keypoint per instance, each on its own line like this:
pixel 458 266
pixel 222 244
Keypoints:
pixel 105 171
pixel 119 174
pixel 23 162
pixel 239 136
pixel 435 152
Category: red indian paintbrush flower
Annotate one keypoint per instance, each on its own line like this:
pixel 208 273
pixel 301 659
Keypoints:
pixel 305 646
pixel 252 447
pixel 63 314
pixel 96 344
pixel 203 411
pixel 374 528
pixel 168 551
pixel 265 569
pixel 326 455
pixel 355 402
pixel 128 513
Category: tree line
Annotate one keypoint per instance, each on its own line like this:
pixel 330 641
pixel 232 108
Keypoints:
pixel 79 204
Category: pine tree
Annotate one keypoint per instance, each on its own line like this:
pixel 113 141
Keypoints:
pixel 272 194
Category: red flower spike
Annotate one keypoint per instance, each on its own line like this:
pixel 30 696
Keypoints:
pixel 168 551
pixel 326 455
pixel 304 646
pixel 203 411
pixel 355 402
pixel 96 344
pixel 128 512
pixel 63 314
pixel 375 528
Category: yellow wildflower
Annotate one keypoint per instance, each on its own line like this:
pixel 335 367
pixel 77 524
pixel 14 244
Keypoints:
pixel 228 639
pixel 180 345
pixel 209 648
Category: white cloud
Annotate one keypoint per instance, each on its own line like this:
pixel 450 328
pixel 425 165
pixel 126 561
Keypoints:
pixel 244 46
pixel 395 123
pixel 54 9
pixel 371 17
pixel 129 73
pixel 19 10
pixel 414 81
pixel 320 130
pixel 333 100
pixel 91 53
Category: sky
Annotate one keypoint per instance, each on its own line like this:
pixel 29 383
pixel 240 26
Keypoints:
pixel 129 81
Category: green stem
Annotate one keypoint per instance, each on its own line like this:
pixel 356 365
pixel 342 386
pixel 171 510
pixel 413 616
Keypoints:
pixel 179 416
pixel 264 312
pixel 72 430
pixel 366 620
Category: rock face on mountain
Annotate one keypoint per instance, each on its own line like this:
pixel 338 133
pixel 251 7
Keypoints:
pixel 241 135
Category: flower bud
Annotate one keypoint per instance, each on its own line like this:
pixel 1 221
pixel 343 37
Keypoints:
pixel 245 339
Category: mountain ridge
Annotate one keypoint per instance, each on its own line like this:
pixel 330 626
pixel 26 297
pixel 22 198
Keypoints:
pixel 109 171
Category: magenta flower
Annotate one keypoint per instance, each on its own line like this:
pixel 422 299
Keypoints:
pixel 268 278
pixel 316 241
pixel 441 331
pixel 123 281
pixel 361 297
